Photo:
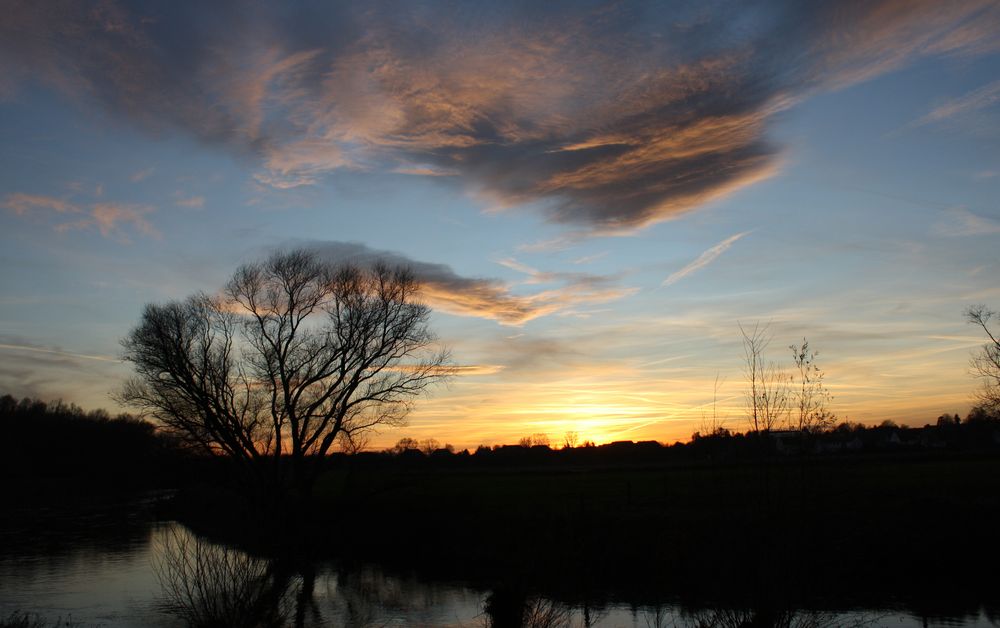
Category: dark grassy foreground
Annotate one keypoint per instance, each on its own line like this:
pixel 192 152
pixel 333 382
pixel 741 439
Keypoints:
pixel 918 531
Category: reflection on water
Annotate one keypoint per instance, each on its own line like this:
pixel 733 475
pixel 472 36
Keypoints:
pixel 117 571
pixel 205 584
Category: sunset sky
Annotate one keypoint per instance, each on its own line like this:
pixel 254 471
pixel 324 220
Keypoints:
pixel 594 193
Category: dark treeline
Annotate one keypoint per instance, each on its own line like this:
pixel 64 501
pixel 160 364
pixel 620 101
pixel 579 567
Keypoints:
pixel 61 444
pixel 60 441
pixel 979 431
pixel 63 466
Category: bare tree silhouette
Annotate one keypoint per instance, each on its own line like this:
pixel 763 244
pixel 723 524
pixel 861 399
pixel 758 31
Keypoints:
pixel 537 439
pixel 767 394
pixel 570 439
pixel 429 445
pixel 294 355
pixel 810 397
pixel 986 363
pixel 714 425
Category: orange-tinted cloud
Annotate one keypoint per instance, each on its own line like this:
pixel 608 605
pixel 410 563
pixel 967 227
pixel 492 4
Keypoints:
pixel 22 204
pixel 141 175
pixel 982 98
pixel 112 220
pixel 860 40
pixel 484 298
pixel 191 202
pixel 609 117
pixel 110 217
pixel 457 370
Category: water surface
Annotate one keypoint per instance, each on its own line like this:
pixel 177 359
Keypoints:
pixel 116 566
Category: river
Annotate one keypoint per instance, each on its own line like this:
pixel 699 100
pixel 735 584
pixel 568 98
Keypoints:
pixel 117 565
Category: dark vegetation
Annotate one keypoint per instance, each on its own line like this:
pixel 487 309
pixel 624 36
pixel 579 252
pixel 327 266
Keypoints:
pixel 63 467
pixel 894 515
pixel 857 516
pixel 58 445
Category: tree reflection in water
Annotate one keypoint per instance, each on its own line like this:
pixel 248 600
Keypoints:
pixel 747 618
pixel 504 610
pixel 208 585
pixel 758 618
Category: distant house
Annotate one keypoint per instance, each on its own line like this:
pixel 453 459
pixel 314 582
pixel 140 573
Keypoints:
pixel 930 440
pixel 828 447
pixel 648 446
pixel 786 441
pixel 411 454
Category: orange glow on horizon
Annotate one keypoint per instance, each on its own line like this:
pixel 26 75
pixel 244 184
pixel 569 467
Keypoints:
pixel 603 409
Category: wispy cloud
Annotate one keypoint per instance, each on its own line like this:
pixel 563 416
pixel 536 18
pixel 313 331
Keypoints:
pixel 558 243
pixel 425 171
pixel 58 352
pixel 536 276
pixel 704 259
pixel 608 118
pixel 480 297
pixel 141 175
pixel 470 370
pixel 962 222
pixel 22 204
pixel 982 98
pixel 110 219
pixel 192 202
pixel 49 372
pixel 586 259
pixel 301 162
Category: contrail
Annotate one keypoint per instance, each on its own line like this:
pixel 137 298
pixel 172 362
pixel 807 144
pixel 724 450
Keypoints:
pixel 100 358
pixel 703 260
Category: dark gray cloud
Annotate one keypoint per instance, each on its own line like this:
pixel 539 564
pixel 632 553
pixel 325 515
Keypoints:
pixel 481 297
pixel 608 116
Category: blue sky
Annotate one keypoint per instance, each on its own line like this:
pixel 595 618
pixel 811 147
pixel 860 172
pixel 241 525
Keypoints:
pixel 596 194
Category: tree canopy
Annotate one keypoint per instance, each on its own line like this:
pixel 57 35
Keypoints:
pixel 291 356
